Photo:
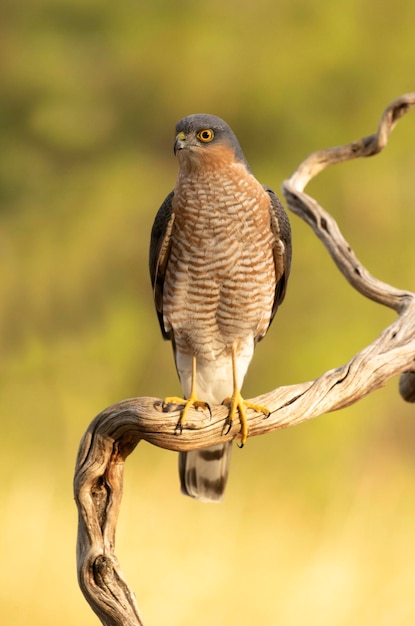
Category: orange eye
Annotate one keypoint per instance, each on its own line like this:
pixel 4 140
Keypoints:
pixel 205 135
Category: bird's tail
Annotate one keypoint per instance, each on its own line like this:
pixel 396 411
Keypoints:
pixel 204 473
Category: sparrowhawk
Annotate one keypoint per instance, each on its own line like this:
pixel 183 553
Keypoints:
pixel 220 256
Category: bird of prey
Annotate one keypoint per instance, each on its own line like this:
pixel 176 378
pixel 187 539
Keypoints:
pixel 220 256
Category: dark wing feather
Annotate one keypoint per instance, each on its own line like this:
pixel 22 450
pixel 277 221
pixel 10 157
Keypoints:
pixel 160 242
pixel 281 229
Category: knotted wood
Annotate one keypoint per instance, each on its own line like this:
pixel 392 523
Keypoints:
pixel 115 432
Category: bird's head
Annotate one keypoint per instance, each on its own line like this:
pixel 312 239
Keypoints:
pixel 201 139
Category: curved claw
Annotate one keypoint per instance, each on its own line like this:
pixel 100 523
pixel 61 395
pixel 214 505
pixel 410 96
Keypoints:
pixel 179 427
pixel 228 427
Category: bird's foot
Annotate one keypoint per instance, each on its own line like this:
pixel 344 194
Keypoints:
pixel 189 403
pixel 238 405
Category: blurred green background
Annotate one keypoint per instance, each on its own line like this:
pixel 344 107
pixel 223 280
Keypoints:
pixel 317 524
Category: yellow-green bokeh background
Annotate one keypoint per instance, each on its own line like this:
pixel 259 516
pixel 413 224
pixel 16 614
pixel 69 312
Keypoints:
pixel 318 522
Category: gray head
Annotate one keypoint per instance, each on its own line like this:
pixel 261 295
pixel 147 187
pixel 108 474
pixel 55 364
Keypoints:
pixel 202 130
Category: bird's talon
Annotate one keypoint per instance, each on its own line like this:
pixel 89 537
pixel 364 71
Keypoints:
pixel 228 426
pixel 179 428
pixel 192 401
pixel 199 404
pixel 172 400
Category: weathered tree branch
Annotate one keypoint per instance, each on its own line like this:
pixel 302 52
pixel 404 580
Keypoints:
pixel 115 432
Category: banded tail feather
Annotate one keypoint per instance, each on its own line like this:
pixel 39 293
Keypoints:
pixel 204 473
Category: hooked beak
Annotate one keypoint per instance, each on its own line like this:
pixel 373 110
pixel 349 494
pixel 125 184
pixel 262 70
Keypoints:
pixel 179 144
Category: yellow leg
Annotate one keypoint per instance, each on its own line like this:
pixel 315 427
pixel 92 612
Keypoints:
pixel 238 405
pixel 189 402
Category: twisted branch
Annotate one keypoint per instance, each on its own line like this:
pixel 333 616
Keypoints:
pixel 115 432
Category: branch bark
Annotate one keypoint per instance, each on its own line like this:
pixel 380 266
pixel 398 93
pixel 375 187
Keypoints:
pixel 116 431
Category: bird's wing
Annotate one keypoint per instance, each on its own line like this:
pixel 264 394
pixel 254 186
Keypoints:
pixel 281 229
pixel 160 242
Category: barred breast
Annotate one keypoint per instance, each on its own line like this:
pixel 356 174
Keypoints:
pixel 220 281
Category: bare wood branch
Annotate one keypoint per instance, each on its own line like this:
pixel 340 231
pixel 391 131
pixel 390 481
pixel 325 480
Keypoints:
pixel 115 432
pixel 325 227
